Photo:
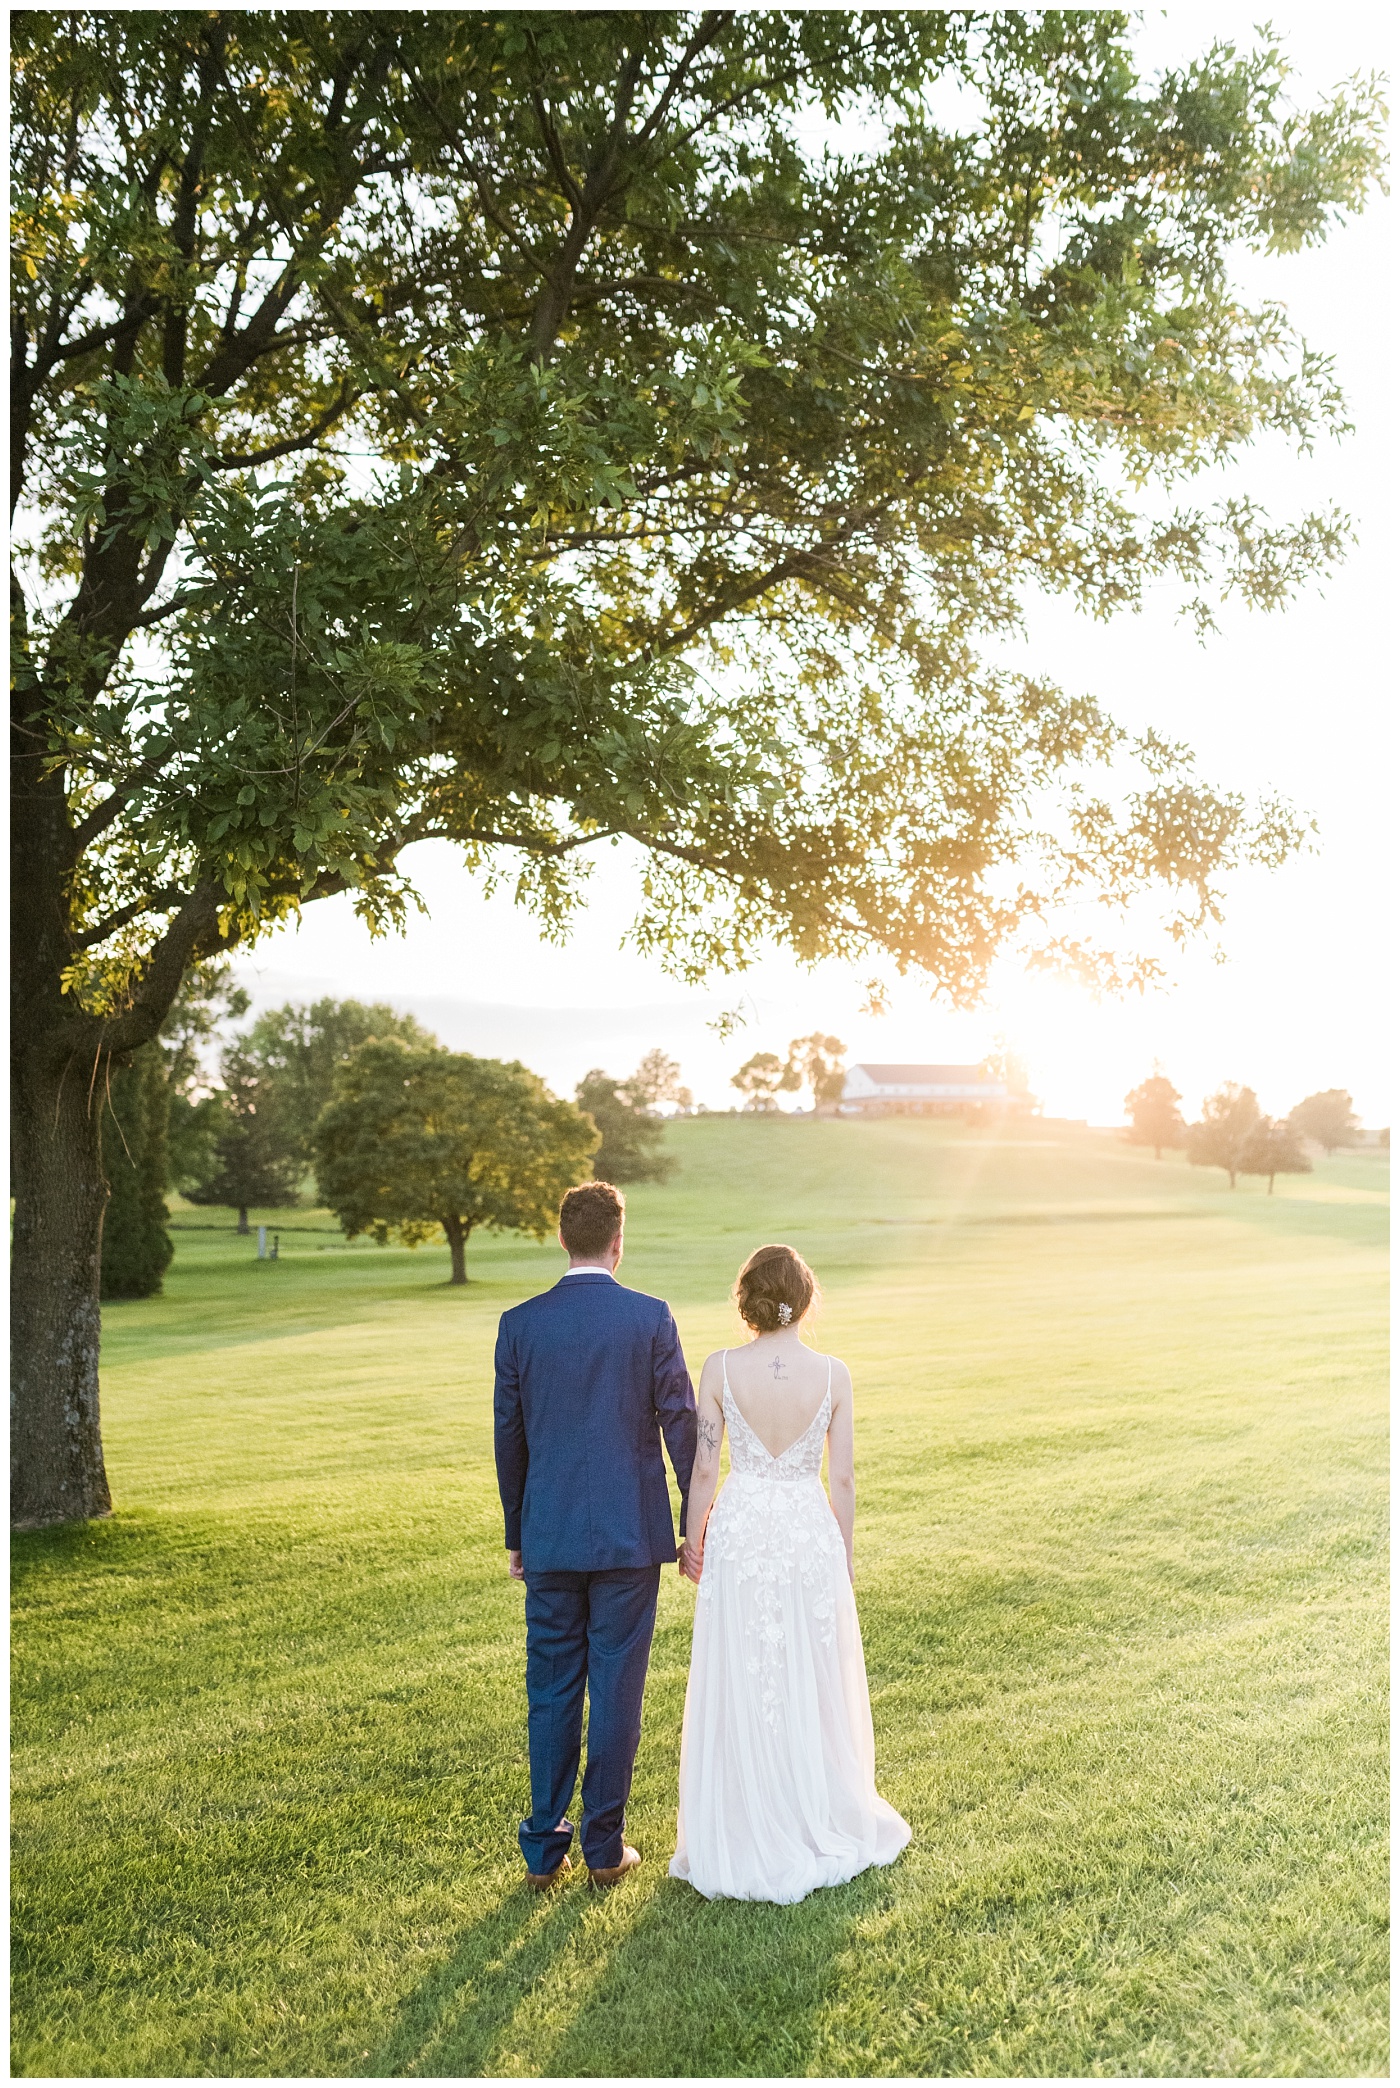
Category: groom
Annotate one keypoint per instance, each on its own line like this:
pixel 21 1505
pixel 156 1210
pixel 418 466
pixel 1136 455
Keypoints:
pixel 588 1377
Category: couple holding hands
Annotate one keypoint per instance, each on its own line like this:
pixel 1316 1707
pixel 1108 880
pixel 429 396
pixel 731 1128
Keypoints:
pixel 777 1783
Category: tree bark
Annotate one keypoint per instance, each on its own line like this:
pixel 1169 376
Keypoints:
pixel 59 1065
pixel 457 1231
pixel 242 1218
pixel 57 1473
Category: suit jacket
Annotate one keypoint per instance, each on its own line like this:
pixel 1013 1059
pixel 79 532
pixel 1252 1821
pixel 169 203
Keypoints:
pixel 589 1376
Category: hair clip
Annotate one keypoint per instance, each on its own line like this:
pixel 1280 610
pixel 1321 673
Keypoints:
pixel 784 1312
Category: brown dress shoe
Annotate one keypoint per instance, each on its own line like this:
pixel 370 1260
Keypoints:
pixel 630 1860
pixel 542 1880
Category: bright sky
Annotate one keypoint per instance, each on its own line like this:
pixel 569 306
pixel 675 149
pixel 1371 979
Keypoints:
pixel 1296 702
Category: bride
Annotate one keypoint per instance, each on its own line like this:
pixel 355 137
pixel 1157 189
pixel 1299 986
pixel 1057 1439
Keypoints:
pixel 777 1751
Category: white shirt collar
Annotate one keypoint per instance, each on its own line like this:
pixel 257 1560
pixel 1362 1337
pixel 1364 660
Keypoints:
pixel 592 1269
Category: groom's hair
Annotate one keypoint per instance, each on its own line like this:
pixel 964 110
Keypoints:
pixel 590 1217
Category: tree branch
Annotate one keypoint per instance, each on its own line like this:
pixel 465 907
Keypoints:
pixel 234 460
pixel 597 193
pixel 193 933
pixel 110 810
pixel 708 29
pixel 154 902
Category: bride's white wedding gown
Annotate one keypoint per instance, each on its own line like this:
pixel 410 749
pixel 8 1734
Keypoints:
pixel 778 1751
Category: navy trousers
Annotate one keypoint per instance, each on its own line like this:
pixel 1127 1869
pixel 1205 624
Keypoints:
pixel 593 1629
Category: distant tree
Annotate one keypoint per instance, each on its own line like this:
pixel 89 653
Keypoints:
pixel 1274 1147
pixel 136 1247
pixel 1327 1117
pixel 761 1079
pixel 658 1079
pixel 208 1001
pixel 414 1140
pixel 296 1049
pixel 1219 1139
pixel 630 1129
pixel 819 1063
pixel 254 1160
pixel 1154 1113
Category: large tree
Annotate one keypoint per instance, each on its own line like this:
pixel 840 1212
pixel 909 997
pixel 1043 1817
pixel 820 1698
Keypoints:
pixel 1227 1123
pixel 1274 1147
pixel 136 1245
pixel 762 1078
pixel 254 1157
pixel 413 1142
pixel 298 1047
pixel 209 1000
pixel 1154 1114
pixel 531 430
pixel 629 1125
pixel 819 1062
pixel 1328 1116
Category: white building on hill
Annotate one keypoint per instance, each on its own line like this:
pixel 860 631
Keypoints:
pixel 920 1091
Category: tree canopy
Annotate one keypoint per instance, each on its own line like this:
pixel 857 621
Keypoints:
pixel 1227 1122
pixel 136 1245
pixel 209 998
pixel 1274 1147
pixel 628 1124
pixel 413 1141
pixel 252 1160
pixel 298 1047
pixel 762 1078
pixel 819 1063
pixel 529 430
pixel 1154 1115
pixel 1329 1117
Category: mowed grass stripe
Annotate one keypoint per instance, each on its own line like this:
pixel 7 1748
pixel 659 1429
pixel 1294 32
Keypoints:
pixel 1120 1541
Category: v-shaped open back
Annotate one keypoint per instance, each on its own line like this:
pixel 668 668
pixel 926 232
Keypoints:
pixel 748 1453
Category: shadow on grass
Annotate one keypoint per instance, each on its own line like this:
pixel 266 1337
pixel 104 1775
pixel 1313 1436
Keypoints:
pixel 760 1980
pixel 553 1988
pixel 37 1555
pixel 450 2022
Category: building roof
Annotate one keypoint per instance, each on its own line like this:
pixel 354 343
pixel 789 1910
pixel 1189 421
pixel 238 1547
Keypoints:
pixel 926 1076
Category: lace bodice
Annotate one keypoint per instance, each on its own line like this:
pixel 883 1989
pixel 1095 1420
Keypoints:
pixel 800 1460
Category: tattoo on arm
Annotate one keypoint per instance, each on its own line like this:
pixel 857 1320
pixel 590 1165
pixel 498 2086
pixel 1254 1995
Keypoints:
pixel 708 1434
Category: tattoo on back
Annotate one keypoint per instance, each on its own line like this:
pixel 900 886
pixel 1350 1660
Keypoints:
pixel 707 1432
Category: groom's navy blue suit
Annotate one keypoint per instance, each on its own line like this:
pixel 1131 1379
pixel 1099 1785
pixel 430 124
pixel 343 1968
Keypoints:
pixel 589 1376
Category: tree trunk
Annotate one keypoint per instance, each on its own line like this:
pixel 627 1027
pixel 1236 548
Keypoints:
pixel 243 1218
pixel 1271 1185
pixel 56 1470
pixel 457 1231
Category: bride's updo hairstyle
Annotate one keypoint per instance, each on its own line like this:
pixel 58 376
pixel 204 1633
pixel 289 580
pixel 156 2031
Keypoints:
pixel 775 1288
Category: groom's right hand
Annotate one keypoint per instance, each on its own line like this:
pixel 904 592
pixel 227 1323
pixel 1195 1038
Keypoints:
pixel 516 1570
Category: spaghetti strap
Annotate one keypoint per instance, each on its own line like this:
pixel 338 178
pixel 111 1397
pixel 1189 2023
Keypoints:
pixel 725 1360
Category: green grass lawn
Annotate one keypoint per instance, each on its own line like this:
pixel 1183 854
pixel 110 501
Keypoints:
pixel 1120 1552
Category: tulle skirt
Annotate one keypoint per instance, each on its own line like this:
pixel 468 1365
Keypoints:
pixel 778 1789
